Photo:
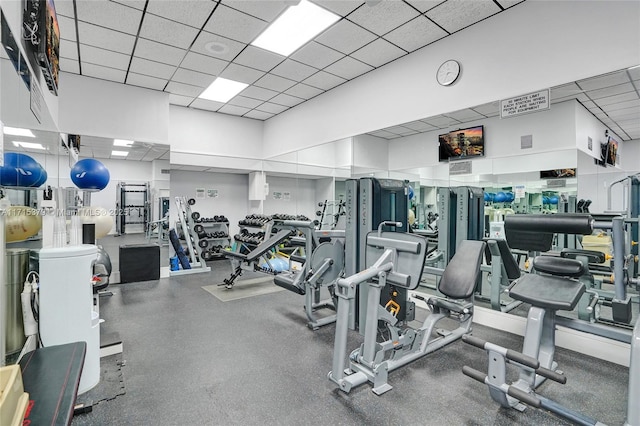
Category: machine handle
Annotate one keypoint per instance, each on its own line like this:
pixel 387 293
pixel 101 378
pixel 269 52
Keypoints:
pixel 388 223
pixel 473 373
pixel 552 375
pixel 518 357
pixel 473 341
pixel 523 359
pixel 524 397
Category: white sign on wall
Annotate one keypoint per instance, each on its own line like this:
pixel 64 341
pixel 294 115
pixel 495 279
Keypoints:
pixel 200 192
pixel 1 144
pixel 519 191
pixel 524 104
pixel 212 193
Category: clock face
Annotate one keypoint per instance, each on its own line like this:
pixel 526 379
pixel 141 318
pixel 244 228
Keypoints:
pixel 448 72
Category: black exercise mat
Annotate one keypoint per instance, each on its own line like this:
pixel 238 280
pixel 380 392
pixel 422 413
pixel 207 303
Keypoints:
pixel 111 382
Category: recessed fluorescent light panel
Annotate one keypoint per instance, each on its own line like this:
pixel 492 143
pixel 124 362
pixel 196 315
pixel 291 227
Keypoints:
pixel 119 153
pixel 222 90
pixel 295 27
pixel 15 131
pixel 122 142
pixel 29 145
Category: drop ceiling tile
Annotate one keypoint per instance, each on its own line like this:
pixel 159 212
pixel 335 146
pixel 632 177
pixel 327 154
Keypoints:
pixel 241 73
pixel 617 99
pixel 258 93
pixel 193 78
pixel 634 103
pixel 303 91
pixel 634 72
pixel 610 91
pixel 217 46
pixel 339 7
pixel 603 81
pixel 424 5
pixel 324 80
pixel 235 25
pixel 415 34
pixel 508 3
pixel 384 16
pixel 105 38
pixel 454 15
pixel 265 10
pixel 67 28
pixel 137 4
pixel 419 126
pixel 383 134
pixel 293 70
pixel 565 90
pixel 441 121
pixel 272 108
pixel 286 100
pixel 183 89
pixel 103 57
pixel 398 130
pixel 167 32
pixel 378 53
pixel 104 73
pixel 151 68
pixel 245 102
pixel 345 37
pixel 189 12
pixel 158 52
pixel 68 49
pixel 589 104
pixel 109 15
pixel 233 110
pixel 206 105
pixel 65 8
pixel 202 63
pixel 273 82
pixel 69 65
pixel 491 109
pixel 180 100
pixel 625 114
pixel 259 115
pixel 465 115
pixel 316 55
pixel 146 81
pixel 632 122
pixel 348 68
pixel 257 58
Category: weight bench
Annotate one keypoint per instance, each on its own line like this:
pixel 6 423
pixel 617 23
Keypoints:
pixel 238 259
pixel 51 376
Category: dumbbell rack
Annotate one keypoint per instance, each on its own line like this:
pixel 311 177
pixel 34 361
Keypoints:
pixel 265 228
pixel 187 223
pixel 224 241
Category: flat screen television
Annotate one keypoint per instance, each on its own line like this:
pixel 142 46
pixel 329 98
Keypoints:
pixel 41 31
pixel 462 143
pixel 608 153
pixel 558 173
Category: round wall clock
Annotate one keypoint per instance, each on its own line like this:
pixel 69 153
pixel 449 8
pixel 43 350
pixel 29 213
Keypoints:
pixel 448 72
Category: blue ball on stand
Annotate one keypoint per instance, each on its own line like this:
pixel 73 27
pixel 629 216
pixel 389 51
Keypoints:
pixel 90 173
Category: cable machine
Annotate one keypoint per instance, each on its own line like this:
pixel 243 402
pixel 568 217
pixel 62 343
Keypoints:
pixel 132 207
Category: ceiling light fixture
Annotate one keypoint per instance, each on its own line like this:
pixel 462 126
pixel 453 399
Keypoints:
pixel 295 27
pixel 216 48
pixel 122 142
pixel 28 145
pixel 16 131
pixel 119 153
pixel 222 90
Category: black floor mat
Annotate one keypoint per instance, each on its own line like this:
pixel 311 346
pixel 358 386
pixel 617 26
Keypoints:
pixel 111 383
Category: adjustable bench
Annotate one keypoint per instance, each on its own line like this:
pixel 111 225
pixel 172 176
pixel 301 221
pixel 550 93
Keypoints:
pixel 254 255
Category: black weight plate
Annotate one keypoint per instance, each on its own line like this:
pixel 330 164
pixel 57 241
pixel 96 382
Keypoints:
pixel 195 215
pixel 203 243
pixel 191 201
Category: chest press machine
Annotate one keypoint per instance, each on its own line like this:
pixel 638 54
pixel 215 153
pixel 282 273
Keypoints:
pixel 555 287
pixel 397 259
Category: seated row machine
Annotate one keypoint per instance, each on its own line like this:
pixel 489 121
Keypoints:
pixel 554 286
pixel 398 259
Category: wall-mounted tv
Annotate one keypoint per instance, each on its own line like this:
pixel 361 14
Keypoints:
pixel 41 31
pixel 558 173
pixel 462 143
pixel 608 153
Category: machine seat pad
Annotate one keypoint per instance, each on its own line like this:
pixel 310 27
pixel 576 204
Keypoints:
pixel 51 376
pixel 510 265
pixel 461 274
pixel 289 282
pixel 547 292
pixel 558 266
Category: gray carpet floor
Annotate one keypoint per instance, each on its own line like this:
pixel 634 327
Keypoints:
pixel 193 359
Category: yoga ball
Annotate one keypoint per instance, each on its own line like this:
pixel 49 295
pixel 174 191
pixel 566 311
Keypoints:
pixel 500 197
pixel 412 217
pixel 99 216
pixel 20 170
pixel 21 222
pixel 553 199
pixel 43 178
pixel 487 197
pixel 510 196
pixel 545 199
pixel 411 193
pixel 90 173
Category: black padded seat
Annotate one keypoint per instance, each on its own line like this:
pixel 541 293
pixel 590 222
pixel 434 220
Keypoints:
pixel 288 281
pixel 592 255
pixel 558 266
pixel 547 291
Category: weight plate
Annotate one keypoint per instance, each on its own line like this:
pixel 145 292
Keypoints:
pixel 195 215
pixel 191 201
pixel 203 243
pixel 198 228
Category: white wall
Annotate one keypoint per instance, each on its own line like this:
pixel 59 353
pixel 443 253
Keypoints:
pixel 90 106
pixel 526 48
pixel 302 201
pixel 370 153
pixel 232 200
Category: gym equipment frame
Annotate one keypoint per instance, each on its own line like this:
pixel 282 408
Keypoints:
pixel 398 259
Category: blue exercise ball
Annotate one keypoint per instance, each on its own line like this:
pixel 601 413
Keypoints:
pixel 545 200
pixel 90 173
pixel 510 196
pixel 20 170
pixel 487 197
pixel 43 178
pixel 553 199
pixel 411 193
pixel 500 197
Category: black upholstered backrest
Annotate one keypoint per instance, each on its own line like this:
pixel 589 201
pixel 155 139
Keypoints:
pixel 511 267
pixel 461 274
pixel 534 232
